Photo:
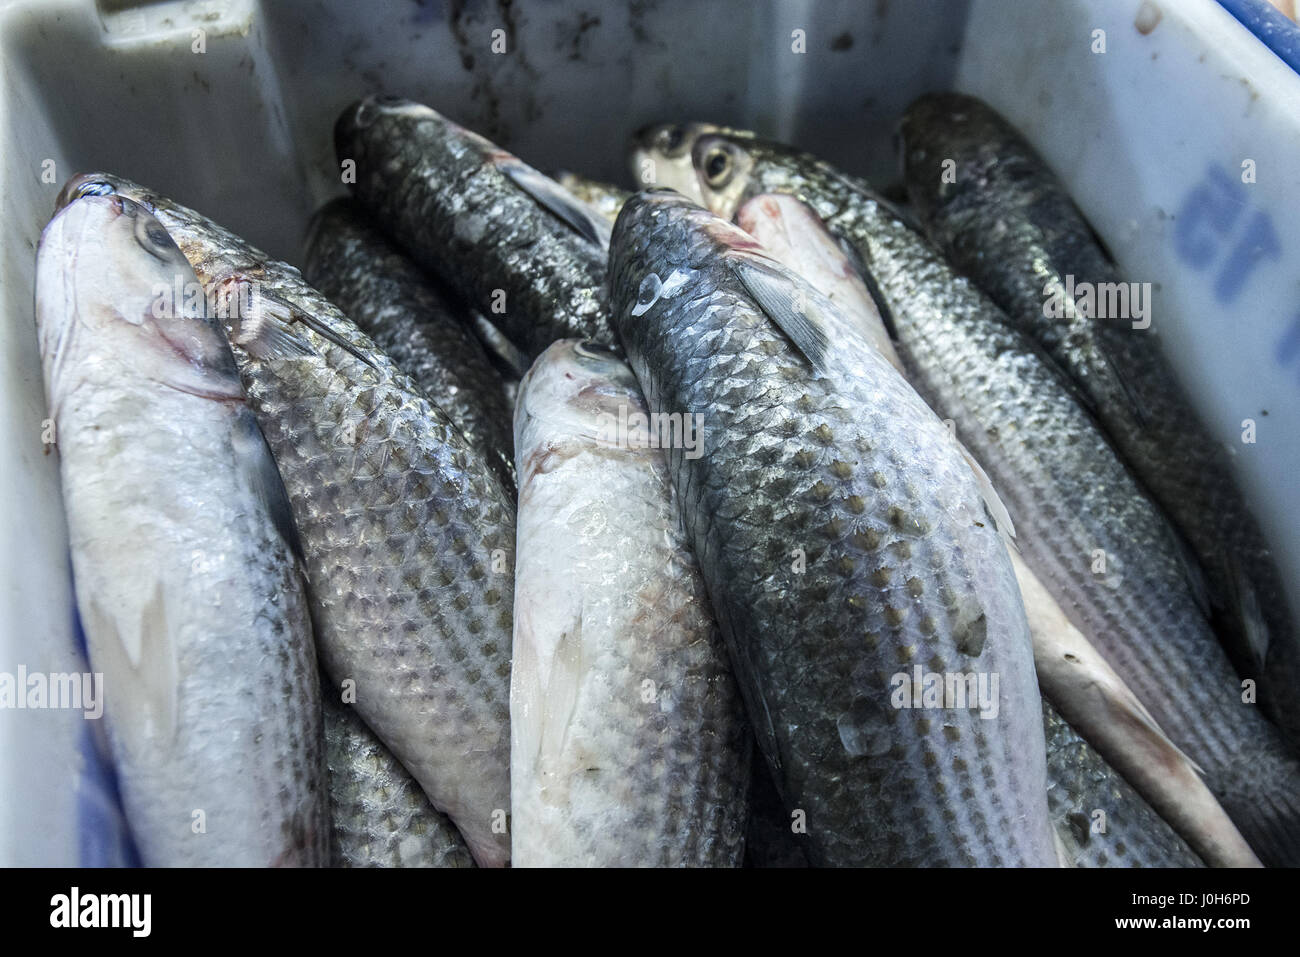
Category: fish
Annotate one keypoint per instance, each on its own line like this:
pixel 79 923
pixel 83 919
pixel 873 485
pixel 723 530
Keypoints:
pixel 844 547
pixel 1102 820
pixel 408 535
pixel 605 199
pixel 509 241
pixel 1085 525
pixel 185 560
pixel 629 745
pixel 348 259
pixel 1072 675
pixel 379 816
pixel 1006 221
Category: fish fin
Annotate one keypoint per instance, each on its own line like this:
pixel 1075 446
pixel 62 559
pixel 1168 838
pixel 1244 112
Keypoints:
pixel 560 705
pixel 562 204
pixel 137 655
pixel 776 293
pixel 265 337
pixel 256 465
pixel 1117 697
pixel 993 504
pixel 295 313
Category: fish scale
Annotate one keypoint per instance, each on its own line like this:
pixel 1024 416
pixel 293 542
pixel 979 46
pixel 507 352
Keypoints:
pixel 408 535
pixel 379 815
pixel 1065 487
pixel 892 576
pixel 383 292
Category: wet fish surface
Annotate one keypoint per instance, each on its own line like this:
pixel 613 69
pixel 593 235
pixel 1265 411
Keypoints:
pixel 843 542
pixel 1071 498
pixel 509 241
pixel 379 816
pixel 412 321
pixel 629 742
pixel 183 553
pixel 408 535
pixel 1103 821
pixel 1007 222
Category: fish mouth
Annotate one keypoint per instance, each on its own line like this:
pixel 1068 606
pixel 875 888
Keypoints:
pixel 82 185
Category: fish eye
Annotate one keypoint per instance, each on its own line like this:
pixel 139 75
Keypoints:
pixel 717 167
pixel 153 238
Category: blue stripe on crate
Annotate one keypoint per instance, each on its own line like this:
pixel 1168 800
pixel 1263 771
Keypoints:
pixel 1275 30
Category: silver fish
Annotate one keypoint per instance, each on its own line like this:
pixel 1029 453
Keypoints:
pixel 189 589
pixel 408 535
pixel 629 743
pixel 845 547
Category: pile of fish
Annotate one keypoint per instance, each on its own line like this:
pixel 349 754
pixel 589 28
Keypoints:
pixel 748 519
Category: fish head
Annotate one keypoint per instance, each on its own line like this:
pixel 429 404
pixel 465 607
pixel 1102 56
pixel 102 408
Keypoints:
pixel 941 128
pixel 661 156
pixel 117 297
pixel 579 396
pixel 392 118
pixel 724 168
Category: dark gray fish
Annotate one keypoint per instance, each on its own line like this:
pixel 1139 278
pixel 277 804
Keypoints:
pixel 1085 525
pixel 413 321
pixel 379 817
pixel 509 241
pixel 1008 223
pixel 845 547
pixel 408 535
pixel 1102 821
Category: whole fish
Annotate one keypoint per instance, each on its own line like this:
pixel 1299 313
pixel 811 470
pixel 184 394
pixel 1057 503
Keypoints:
pixel 1072 675
pixel 629 744
pixel 507 239
pixel 1007 222
pixel 379 817
pixel 845 548
pixel 408 535
pixel 1085 526
pixel 605 199
pixel 183 552
pixel 411 320
pixel 1103 822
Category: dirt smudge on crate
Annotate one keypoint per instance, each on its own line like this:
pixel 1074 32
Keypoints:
pixel 1148 16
